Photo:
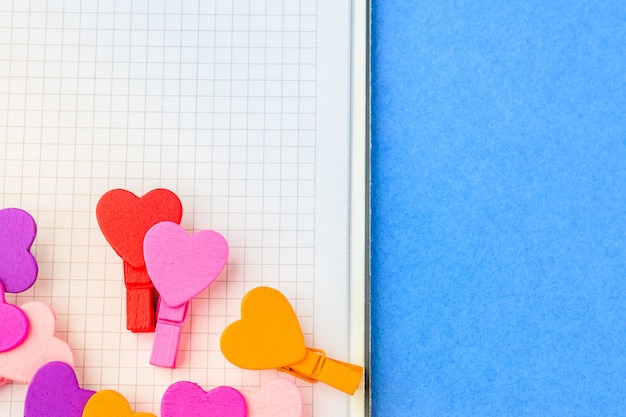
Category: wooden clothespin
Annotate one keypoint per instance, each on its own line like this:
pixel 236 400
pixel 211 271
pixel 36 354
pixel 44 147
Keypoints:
pixel 181 266
pixel 124 220
pixel 268 335
pixel 18 272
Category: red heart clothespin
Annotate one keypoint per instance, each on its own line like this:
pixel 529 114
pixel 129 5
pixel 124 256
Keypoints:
pixel 269 336
pixel 124 220
pixel 181 266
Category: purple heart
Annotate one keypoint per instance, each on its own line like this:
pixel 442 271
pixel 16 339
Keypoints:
pixel 54 392
pixel 18 267
pixel 14 324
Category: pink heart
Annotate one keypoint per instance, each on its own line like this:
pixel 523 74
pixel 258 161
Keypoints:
pixel 39 347
pixel 13 324
pixel 278 397
pixel 186 399
pixel 181 266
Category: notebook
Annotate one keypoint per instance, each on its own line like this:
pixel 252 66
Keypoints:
pixel 252 112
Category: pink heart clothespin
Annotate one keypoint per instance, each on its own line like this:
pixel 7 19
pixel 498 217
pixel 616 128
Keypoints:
pixel 180 266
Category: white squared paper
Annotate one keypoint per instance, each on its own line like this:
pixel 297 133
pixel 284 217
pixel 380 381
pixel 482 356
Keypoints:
pixel 243 109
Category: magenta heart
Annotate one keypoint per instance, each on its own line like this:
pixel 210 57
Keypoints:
pixel 186 399
pixel 54 392
pixel 18 268
pixel 13 324
pixel 181 266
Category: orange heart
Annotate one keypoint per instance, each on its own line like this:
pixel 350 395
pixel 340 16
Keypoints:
pixel 268 334
pixel 110 404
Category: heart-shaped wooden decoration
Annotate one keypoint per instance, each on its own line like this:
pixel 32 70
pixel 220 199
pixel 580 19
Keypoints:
pixel 18 267
pixel 13 324
pixel 125 218
pixel 278 397
pixel 181 266
pixel 40 346
pixel 54 392
pixel 110 403
pixel 186 399
pixel 268 334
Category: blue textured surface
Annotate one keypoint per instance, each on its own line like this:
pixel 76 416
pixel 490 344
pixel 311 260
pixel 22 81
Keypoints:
pixel 499 208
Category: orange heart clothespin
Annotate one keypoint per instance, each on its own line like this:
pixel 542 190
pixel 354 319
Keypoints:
pixel 269 336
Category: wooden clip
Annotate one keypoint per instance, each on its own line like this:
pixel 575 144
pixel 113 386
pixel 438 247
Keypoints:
pixel 268 335
pixel 317 367
pixel 170 321
pixel 124 220
pixel 181 266
pixel 140 299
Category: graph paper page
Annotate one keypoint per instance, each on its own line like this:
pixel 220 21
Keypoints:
pixel 242 108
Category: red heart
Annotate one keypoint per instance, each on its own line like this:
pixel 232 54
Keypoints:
pixel 125 218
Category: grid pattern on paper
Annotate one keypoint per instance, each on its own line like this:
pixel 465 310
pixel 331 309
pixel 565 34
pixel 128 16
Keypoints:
pixel 214 100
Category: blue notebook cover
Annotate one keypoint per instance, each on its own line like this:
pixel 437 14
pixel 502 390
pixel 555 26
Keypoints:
pixel 498 208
